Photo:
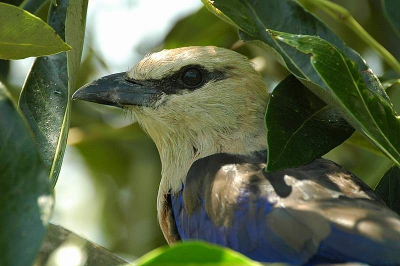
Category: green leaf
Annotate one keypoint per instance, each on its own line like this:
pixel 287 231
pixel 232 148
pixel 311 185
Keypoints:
pixel 209 31
pixel 290 16
pixel 342 15
pixel 391 9
pixel 194 253
pixel 358 140
pixel 46 94
pixel 23 35
pixel 280 15
pixel 25 199
pixel 295 114
pixel 388 188
pixel 234 13
pixel 44 102
pixel 365 109
pixel 75 25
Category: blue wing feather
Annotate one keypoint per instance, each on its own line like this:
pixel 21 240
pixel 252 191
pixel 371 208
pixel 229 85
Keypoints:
pixel 318 213
pixel 247 234
pixel 352 248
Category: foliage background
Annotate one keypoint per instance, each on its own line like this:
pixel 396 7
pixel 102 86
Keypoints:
pixel 108 185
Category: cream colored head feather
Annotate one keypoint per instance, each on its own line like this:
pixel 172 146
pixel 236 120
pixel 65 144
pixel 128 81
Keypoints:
pixel 223 115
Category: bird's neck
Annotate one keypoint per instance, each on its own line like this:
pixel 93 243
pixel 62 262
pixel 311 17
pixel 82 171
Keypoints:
pixel 178 153
pixel 181 143
pixel 180 147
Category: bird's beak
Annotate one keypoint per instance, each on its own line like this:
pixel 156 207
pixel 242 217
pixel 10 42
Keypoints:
pixel 117 90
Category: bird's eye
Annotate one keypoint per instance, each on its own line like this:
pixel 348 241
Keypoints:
pixel 192 77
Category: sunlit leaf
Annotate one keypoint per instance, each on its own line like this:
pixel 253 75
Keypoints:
pixel 365 109
pixel 388 188
pixel 23 35
pixel 75 26
pixel 295 114
pixel 25 199
pixel 358 140
pixel 45 97
pixel 74 35
pixel 195 253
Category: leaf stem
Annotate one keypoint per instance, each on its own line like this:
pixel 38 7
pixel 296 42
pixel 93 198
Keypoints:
pixel 341 14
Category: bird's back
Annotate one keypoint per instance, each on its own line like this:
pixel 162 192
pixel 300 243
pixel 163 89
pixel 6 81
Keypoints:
pixel 312 214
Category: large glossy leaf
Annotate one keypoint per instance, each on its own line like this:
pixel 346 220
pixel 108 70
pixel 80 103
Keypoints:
pixel 195 253
pixel 25 200
pixel 388 188
pixel 74 35
pixel 365 109
pixel 290 16
pixel 294 114
pixel 391 8
pixel 45 97
pixel 23 35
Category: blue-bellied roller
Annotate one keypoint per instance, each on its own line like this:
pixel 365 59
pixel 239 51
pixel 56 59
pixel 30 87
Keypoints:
pixel 204 109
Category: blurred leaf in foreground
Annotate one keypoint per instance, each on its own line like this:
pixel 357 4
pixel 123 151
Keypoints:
pixel 195 253
pixel 25 199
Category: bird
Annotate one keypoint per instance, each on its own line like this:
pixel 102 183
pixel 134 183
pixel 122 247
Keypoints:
pixel 204 108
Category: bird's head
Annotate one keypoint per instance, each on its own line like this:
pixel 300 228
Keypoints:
pixel 192 101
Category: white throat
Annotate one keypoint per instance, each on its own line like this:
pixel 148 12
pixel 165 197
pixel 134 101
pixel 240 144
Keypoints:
pixel 180 144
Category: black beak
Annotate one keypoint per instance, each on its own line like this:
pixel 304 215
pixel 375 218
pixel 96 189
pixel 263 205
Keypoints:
pixel 117 90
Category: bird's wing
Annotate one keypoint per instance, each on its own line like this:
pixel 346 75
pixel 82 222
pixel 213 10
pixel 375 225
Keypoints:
pixel 358 226
pixel 317 212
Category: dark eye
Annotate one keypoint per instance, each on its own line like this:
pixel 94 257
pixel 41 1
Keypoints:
pixel 192 77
